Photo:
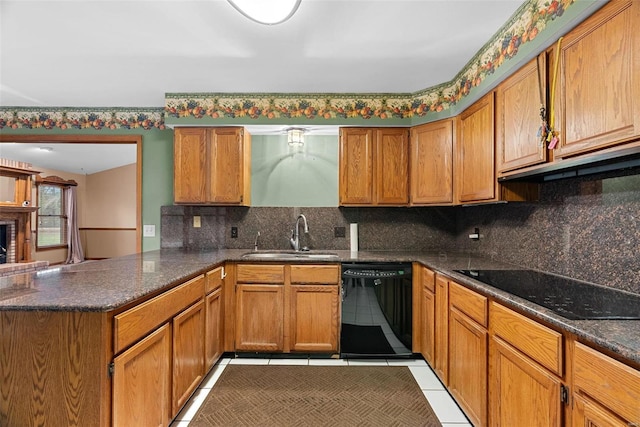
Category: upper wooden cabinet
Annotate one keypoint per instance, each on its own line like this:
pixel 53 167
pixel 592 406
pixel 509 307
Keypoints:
pixel 374 166
pixel 212 166
pixel 518 103
pixel 475 173
pixel 432 163
pixel 598 90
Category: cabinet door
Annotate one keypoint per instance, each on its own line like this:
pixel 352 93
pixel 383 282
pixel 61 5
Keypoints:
pixel 188 353
pixel 356 166
pixel 314 317
pixel 189 164
pixel 428 326
pixel 475 174
pixel 587 413
pixel 142 382
pixel 226 174
pixel 442 328
pixel 213 328
pixel 468 366
pixel 521 392
pixel 518 117
pixel 392 166
pixel 259 317
pixel 598 101
pixel 432 163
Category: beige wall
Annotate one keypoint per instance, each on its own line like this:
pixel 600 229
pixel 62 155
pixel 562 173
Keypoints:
pixel 105 200
pixel 111 198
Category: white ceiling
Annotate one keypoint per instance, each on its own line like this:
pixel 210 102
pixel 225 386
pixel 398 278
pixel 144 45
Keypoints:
pixel 128 53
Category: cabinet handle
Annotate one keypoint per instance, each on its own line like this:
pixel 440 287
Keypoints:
pixel 223 274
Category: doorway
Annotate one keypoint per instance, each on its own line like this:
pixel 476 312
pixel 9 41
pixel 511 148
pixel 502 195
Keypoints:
pixel 100 236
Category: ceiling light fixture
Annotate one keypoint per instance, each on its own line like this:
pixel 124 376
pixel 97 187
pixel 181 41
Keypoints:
pixel 266 12
pixel 295 136
pixel 47 149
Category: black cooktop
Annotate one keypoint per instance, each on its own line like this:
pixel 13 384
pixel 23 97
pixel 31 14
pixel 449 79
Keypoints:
pixel 569 298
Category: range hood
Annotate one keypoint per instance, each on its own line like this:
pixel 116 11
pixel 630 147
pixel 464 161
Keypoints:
pixel 613 160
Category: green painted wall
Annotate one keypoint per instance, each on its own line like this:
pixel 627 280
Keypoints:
pixel 282 175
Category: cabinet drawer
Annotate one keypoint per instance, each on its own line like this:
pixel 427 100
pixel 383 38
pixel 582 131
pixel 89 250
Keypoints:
pixel 254 273
pixel 320 274
pixel 615 385
pixel 469 302
pixel 540 343
pixel 214 279
pixel 133 324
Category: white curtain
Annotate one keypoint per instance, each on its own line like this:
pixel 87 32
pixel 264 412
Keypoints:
pixel 75 254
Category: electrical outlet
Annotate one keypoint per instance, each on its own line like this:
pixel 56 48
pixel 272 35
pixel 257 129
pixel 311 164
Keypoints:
pixel 149 230
pixel 196 221
pixel 234 232
pixel 339 232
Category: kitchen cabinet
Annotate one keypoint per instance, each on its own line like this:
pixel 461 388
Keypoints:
pixel 159 353
pixel 260 308
pixel 142 382
pixel 468 351
pixel 314 308
pixel 526 366
pixel 188 353
pixel 475 150
pixel 597 102
pixel 425 336
pixel 517 107
pixel 287 307
pixel 374 167
pixel 441 361
pixel 214 320
pixel 212 166
pixel 475 176
pixel 605 391
pixel 431 156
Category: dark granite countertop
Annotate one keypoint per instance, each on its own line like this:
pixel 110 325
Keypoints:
pixel 109 284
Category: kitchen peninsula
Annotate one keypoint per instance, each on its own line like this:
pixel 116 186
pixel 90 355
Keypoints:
pixel 68 379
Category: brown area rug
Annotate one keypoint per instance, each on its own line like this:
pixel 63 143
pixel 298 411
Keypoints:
pixel 259 395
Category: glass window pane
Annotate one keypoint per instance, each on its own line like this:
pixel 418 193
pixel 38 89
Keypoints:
pixel 51 231
pixel 50 200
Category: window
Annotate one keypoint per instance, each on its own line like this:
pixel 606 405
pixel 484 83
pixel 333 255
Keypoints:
pixel 51 228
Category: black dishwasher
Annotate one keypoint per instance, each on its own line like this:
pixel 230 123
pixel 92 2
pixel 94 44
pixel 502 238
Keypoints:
pixel 376 310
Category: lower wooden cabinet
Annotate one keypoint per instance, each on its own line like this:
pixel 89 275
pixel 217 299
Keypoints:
pixel 426 328
pixel 605 391
pixel 214 317
pixel 259 317
pixel 522 393
pixel 188 353
pixel 142 382
pixel 314 318
pixel 287 307
pixel 587 413
pixel 526 370
pixel 441 362
pixel 156 375
pixel 468 351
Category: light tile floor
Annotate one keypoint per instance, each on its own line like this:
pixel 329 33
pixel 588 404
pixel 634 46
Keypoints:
pixel 442 403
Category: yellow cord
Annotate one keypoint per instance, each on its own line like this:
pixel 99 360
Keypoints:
pixel 553 92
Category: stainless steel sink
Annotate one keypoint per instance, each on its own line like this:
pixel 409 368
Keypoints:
pixel 284 255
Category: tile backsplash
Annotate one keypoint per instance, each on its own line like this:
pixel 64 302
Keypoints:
pixel 585 228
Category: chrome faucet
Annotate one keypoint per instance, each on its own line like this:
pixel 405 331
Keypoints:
pixel 295 234
pixel 255 246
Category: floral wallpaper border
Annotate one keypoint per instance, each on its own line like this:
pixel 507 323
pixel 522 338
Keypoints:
pixel 525 25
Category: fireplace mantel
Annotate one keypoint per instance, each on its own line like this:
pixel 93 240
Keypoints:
pixel 19 210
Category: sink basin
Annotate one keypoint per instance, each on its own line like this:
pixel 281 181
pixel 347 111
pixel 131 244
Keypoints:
pixel 290 255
